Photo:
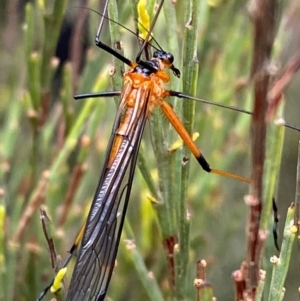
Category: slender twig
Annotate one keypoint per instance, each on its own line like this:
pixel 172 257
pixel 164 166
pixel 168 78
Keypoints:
pixel 263 14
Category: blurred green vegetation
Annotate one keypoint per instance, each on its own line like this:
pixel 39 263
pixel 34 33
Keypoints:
pixel 52 147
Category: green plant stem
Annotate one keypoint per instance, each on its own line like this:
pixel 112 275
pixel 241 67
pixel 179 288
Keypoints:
pixel 52 25
pixel 281 264
pixel 189 79
pixel 297 197
pixel 149 283
pixel 115 41
pixel 272 166
pixel 67 97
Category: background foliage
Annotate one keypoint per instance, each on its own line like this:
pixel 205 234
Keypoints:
pixel 52 147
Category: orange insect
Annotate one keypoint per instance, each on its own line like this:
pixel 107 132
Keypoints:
pixel 143 90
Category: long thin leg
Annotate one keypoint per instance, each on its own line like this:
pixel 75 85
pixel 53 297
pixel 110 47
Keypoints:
pixel 98 94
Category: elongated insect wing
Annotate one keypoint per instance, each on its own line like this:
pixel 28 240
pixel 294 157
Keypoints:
pixel 96 259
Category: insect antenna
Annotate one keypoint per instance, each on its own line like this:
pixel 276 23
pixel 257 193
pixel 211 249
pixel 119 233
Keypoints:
pixel 149 35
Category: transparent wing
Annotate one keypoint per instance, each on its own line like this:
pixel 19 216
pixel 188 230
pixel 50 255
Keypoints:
pixel 96 259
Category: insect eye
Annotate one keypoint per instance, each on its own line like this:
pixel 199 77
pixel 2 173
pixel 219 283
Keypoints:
pixel 170 57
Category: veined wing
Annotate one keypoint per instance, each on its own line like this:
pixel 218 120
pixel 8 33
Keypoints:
pixel 96 259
